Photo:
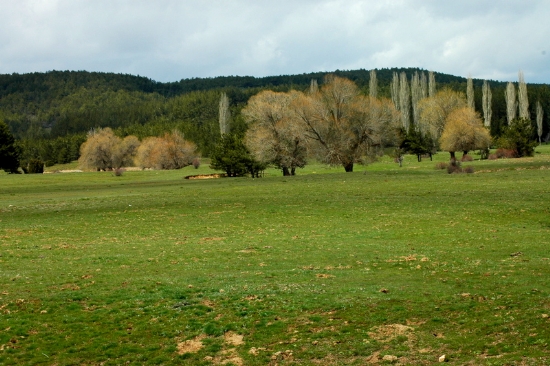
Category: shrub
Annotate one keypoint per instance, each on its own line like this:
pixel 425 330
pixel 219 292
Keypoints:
pixel 35 166
pixel 441 166
pixel 466 157
pixel 196 163
pixel 493 157
pixel 506 153
pixel 118 171
pixel 454 167
pixel 517 137
pixel 468 169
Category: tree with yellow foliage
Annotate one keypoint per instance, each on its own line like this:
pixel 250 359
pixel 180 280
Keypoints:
pixel 434 111
pixel 464 131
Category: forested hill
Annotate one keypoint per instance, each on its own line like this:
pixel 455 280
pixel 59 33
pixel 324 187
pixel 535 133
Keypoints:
pixel 57 84
pixel 59 105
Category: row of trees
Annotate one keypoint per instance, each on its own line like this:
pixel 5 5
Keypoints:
pixel 103 150
pixel 422 114
pixel 339 125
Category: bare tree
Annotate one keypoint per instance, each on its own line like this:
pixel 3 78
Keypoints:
pixel 342 125
pixel 522 97
pixel 171 151
pixel 101 150
pixel 511 102
pixel 373 84
pixel 395 90
pixel 431 84
pixel 274 137
pixel 486 102
pixel 470 92
pixel 423 85
pixel 224 114
pixel 539 121
pixel 404 101
pixel 416 96
pixel 313 86
pixel 125 152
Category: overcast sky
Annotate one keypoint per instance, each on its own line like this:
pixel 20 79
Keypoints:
pixel 167 40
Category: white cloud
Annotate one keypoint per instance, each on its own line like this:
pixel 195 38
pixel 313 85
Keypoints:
pixel 170 39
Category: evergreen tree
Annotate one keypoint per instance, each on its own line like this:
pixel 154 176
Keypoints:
pixel 9 156
pixel 517 137
pixel 232 156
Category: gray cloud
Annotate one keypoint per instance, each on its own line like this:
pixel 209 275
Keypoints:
pixel 167 40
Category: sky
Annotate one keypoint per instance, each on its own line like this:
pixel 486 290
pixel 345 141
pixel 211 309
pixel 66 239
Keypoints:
pixel 170 40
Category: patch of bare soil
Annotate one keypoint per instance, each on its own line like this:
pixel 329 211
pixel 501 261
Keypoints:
pixel 206 176
pixel 233 339
pixel 191 346
pixel 387 333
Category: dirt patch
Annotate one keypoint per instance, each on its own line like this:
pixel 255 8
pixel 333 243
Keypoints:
pixel 233 339
pixel 191 346
pixel 228 356
pixel 212 239
pixel 387 333
pixel 208 303
pixel 206 176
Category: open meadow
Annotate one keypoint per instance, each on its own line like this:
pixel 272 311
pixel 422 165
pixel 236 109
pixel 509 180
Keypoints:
pixel 384 265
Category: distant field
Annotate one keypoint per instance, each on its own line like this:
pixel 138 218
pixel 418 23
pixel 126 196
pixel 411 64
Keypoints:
pixel 384 265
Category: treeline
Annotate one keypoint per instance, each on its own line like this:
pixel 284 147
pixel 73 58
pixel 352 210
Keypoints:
pixel 50 113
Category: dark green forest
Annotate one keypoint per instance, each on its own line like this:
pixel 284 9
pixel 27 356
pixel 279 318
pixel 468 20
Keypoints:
pixel 50 113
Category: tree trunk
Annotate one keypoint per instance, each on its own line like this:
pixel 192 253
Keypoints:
pixel 286 172
pixel 453 158
pixel 348 167
pixel 293 171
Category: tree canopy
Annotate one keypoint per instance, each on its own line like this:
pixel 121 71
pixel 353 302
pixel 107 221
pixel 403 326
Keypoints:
pixel 9 157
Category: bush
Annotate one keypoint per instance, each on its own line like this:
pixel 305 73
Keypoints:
pixel 466 157
pixel 441 166
pixel 35 166
pixel 506 153
pixel 118 171
pixel 468 169
pixel 454 167
pixel 196 163
pixel 493 157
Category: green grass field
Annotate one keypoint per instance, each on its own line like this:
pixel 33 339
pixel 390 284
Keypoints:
pixel 384 265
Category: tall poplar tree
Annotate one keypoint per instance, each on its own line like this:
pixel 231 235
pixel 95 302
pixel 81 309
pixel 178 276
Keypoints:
pixel 511 102
pixel 539 121
pixel 224 114
pixel 522 97
pixel 431 84
pixel 404 101
pixel 423 85
pixel 373 84
pixel 395 90
pixel 416 95
pixel 470 92
pixel 486 101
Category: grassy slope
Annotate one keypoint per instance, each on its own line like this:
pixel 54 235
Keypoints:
pixel 98 268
